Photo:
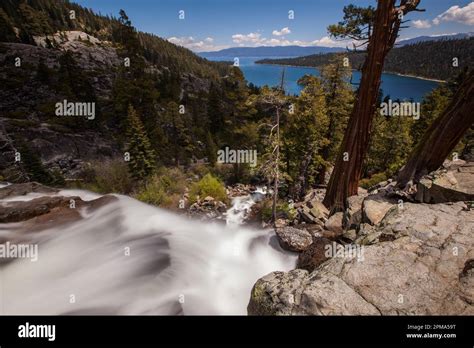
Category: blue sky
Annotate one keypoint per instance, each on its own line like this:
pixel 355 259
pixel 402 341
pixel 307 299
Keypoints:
pixel 215 24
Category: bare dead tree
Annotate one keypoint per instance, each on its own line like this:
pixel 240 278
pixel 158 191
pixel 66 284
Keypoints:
pixel 274 100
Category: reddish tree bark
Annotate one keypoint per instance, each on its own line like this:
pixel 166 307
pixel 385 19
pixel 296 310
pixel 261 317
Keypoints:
pixel 442 136
pixel 345 177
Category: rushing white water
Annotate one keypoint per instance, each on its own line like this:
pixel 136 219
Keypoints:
pixel 174 265
pixel 241 206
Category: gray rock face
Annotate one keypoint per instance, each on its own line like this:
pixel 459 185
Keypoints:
pixel 314 255
pixel 422 265
pixel 312 210
pixel 208 209
pixel 353 213
pixel 24 189
pixel 46 208
pixel 293 239
pixel 375 207
pixel 26 110
pixel 27 107
pixel 335 223
pixel 454 182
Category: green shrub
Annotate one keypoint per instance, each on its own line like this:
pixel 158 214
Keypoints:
pixel 373 180
pixel 208 186
pixel 153 194
pixel 35 169
pixel 109 177
pixel 200 170
pixel 284 211
pixel 163 189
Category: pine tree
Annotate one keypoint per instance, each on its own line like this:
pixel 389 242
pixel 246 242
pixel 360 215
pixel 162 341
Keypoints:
pixel 304 136
pixel 214 112
pixel 273 102
pixel 33 166
pixel 142 157
pixel 379 29
pixel 390 145
pixel 339 101
pixel 432 106
pixel 211 149
pixel 7 33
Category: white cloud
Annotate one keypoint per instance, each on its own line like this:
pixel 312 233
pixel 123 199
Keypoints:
pixel 328 42
pixel 196 45
pixel 255 39
pixel 421 24
pixel 464 15
pixel 283 31
pixel 251 38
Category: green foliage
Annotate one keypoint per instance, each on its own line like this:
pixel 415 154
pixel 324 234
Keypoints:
pixel 208 186
pixel 390 146
pixel 7 33
pixel 34 169
pixel 74 81
pixel 339 101
pixel 163 189
pixel 434 103
pixel 153 85
pixel 284 210
pixel 162 53
pixel 211 149
pixel 109 177
pixel 34 22
pixel 302 144
pixel 373 180
pixel 356 24
pixel 142 157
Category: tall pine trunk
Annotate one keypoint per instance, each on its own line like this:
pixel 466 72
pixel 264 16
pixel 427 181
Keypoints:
pixel 345 177
pixel 442 136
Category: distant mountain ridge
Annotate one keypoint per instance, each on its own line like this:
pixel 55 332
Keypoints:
pixel 299 51
pixel 425 38
pixel 427 59
pixel 270 51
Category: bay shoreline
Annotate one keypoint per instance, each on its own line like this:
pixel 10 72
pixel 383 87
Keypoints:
pixel 385 72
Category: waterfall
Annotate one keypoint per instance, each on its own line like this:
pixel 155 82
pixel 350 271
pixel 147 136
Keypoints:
pixel 241 206
pixel 131 258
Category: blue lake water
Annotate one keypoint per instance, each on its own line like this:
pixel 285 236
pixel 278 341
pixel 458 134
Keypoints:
pixel 398 87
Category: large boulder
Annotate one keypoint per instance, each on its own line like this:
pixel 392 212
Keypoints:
pixel 423 266
pixel 454 182
pixel 353 213
pixel 24 210
pixel 293 239
pixel 301 293
pixel 314 255
pixel 24 189
pixel 312 210
pixel 374 208
pixel 16 211
pixel 335 223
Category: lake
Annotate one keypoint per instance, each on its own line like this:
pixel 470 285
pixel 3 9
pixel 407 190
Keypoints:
pixel 398 87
